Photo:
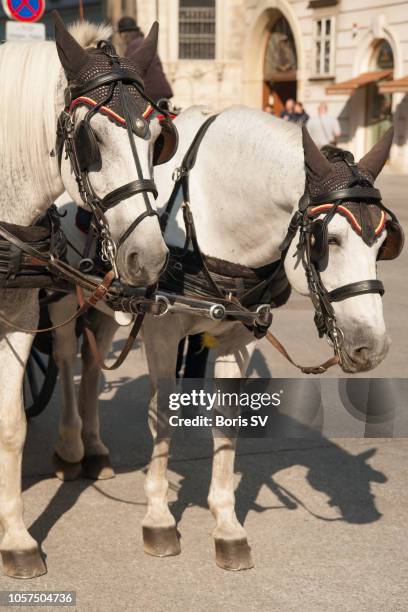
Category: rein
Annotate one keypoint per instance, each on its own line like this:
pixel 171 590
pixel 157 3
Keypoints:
pixel 100 290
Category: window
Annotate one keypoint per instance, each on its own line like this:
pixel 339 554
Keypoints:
pixel 324 46
pixel 197 29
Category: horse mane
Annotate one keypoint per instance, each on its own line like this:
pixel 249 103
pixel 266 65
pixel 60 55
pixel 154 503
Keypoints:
pixel 336 154
pixel 32 85
pixel 89 34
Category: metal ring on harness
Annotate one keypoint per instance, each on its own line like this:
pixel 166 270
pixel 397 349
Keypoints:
pixel 86 265
pixel 162 300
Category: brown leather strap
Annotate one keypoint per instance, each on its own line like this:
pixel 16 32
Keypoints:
pixel 321 369
pixel 94 298
pixel 23 246
pixel 94 345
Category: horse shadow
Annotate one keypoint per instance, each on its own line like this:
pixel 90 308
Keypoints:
pixel 345 479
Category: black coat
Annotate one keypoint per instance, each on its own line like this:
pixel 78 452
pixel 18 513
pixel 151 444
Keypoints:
pixel 156 84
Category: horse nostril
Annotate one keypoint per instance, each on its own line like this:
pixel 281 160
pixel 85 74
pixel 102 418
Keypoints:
pixel 362 354
pixel 133 262
pixel 361 350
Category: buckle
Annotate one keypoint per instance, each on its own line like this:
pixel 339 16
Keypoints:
pixel 178 173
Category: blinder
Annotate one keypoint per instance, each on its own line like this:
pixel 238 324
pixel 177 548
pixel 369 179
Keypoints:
pixel 87 148
pixel 394 241
pixel 319 244
pixel 89 155
pixel 166 143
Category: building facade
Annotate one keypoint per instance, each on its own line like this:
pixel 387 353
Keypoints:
pixel 353 54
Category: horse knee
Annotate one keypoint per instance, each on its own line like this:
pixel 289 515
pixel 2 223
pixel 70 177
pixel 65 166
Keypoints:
pixel 65 348
pixel 12 433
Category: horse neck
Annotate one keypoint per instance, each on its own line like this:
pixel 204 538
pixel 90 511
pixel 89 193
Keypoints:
pixel 247 180
pixel 31 94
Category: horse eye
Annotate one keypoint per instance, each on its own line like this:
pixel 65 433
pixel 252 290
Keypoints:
pixel 98 138
pixel 334 240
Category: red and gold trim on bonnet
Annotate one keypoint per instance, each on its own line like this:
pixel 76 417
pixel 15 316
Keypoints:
pixel 322 208
pixel 105 110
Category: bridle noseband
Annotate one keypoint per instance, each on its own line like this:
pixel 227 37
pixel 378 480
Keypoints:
pixel 85 156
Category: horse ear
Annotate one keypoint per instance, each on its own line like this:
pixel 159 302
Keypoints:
pixel 72 56
pixel 317 166
pixel 366 454
pixel 144 55
pixel 375 159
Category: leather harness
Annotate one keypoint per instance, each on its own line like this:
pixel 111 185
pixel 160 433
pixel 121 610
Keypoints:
pixel 66 135
pixel 199 277
pixel 359 190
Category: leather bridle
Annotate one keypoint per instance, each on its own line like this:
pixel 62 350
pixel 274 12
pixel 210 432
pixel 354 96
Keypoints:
pixel 359 190
pixel 116 78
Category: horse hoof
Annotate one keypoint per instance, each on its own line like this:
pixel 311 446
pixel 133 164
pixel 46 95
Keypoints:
pixel 97 467
pixel 233 555
pixel 161 541
pixel 64 470
pixel 23 563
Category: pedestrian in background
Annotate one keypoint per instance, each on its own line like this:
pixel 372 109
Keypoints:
pixel 324 129
pixel 299 115
pixel 287 112
pixel 156 85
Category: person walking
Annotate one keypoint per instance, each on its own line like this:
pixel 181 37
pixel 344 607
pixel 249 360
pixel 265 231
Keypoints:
pixel 324 129
pixel 157 86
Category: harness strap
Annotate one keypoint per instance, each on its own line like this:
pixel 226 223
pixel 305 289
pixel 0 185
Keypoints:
pixel 38 257
pixel 94 344
pixel 94 298
pixel 349 193
pixel 136 222
pixel 190 157
pixel 321 369
pixel 192 236
pixel 182 172
pixel 358 288
pixel 118 74
pixel 127 191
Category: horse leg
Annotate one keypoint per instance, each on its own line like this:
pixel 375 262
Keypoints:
pixel 232 550
pixel 161 338
pixel 96 463
pixel 20 552
pixel 69 449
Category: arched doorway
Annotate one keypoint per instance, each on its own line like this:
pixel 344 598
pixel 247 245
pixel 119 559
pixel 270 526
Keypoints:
pixel 378 105
pixel 280 65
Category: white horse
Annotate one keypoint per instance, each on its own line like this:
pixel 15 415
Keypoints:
pixel 250 172
pixel 32 97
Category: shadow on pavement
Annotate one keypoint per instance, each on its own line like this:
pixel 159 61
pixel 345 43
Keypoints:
pixel 344 478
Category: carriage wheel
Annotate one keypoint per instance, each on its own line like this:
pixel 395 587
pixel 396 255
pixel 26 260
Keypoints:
pixel 39 381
